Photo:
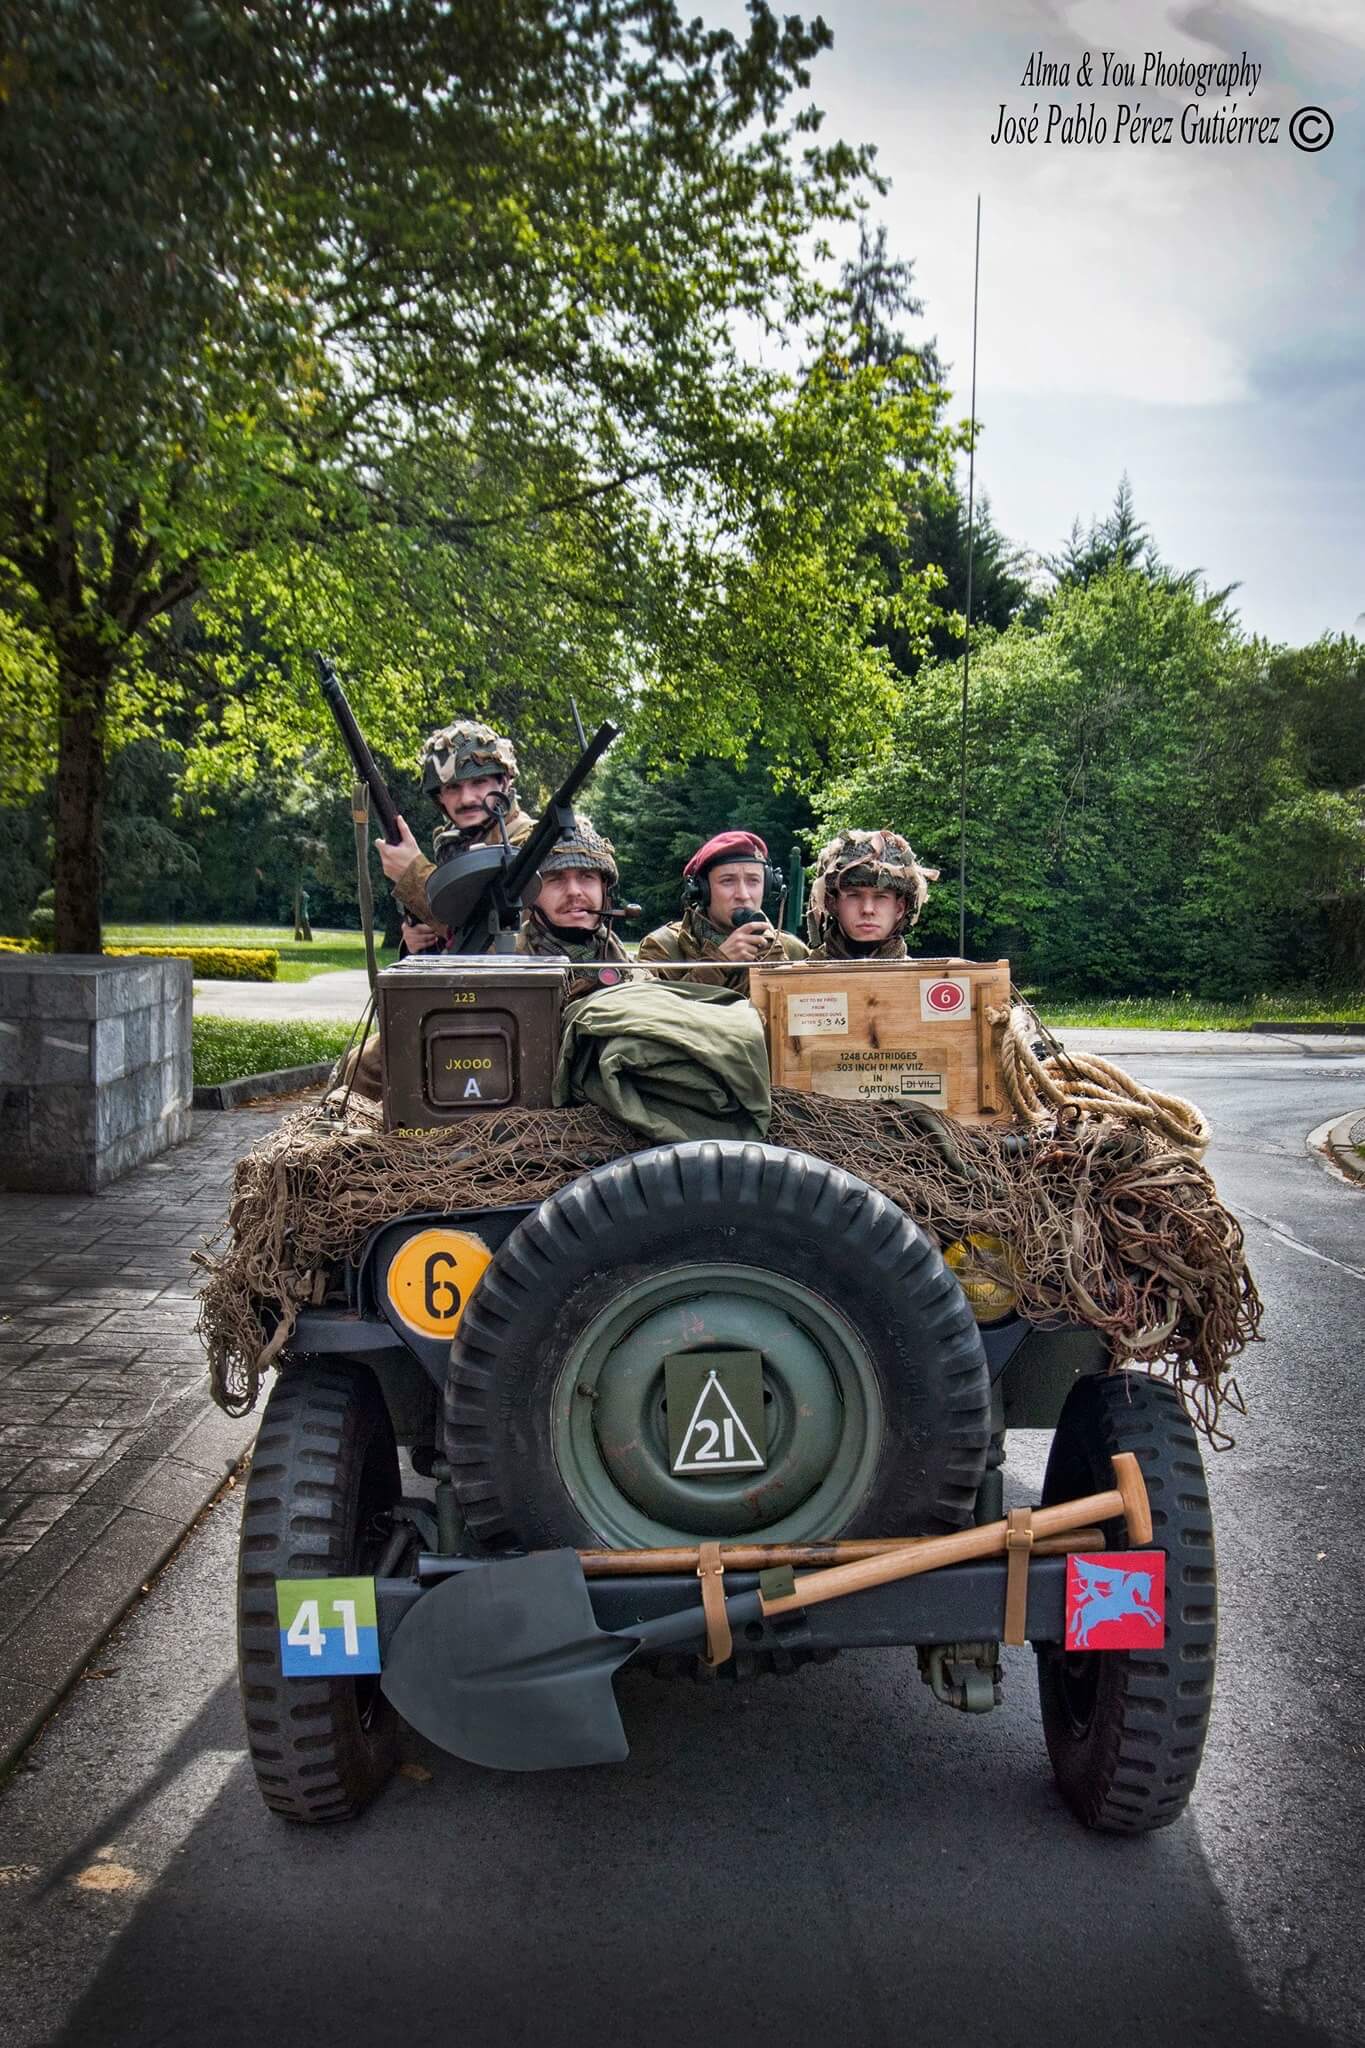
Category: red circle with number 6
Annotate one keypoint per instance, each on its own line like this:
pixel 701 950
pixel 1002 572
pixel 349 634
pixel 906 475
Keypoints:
pixel 945 997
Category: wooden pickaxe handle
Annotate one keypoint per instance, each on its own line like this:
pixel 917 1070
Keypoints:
pixel 1127 1498
pixel 759 1557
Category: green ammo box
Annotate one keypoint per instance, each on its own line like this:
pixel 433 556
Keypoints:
pixel 465 1034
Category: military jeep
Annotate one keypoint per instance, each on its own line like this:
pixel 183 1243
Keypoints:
pixel 713 1341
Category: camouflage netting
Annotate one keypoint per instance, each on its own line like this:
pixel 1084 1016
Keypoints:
pixel 1106 1225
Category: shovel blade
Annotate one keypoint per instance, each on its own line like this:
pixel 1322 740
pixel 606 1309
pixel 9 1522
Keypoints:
pixel 504 1665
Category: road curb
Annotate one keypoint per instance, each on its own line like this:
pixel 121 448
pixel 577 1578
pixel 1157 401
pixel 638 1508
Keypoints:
pixel 1290 1030
pixel 65 1595
pixel 260 1087
pixel 1336 1144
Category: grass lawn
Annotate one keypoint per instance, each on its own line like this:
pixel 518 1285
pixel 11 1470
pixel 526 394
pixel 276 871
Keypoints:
pixel 299 960
pixel 225 1048
pixel 1177 1012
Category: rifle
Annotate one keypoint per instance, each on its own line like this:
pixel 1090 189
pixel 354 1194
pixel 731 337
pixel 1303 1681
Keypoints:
pixel 478 895
pixel 353 739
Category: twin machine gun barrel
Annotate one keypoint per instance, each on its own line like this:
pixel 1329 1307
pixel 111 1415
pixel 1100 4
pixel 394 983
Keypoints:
pixel 478 893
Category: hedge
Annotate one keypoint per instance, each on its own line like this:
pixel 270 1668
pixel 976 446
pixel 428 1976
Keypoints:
pixel 210 963
pixel 214 963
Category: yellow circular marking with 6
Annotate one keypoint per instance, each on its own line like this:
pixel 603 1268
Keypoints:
pixel 432 1275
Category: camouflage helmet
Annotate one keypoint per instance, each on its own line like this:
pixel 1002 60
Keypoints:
pixel 463 752
pixel 581 845
pixel 867 860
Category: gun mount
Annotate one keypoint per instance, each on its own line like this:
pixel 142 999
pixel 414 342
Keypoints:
pixel 480 894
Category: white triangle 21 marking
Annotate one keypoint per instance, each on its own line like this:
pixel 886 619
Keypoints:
pixel 722 1444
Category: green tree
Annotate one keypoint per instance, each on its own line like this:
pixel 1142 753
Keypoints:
pixel 926 547
pixel 1143 809
pixel 1122 541
pixel 411 332
pixel 657 819
pixel 937 534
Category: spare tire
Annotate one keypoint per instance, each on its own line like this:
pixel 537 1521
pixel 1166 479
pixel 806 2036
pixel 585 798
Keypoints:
pixel 875 1391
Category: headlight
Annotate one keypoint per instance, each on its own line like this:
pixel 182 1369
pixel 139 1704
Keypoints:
pixel 979 1261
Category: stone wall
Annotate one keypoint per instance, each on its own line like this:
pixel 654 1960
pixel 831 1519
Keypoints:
pixel 95 1067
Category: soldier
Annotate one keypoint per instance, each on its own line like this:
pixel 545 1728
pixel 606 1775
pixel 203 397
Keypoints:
pixel 568 920
pixel 868 891
pixel 470 773
pixel 724 880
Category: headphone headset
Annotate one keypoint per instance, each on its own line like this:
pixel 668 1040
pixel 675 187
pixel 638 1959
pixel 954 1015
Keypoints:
pixel 696 890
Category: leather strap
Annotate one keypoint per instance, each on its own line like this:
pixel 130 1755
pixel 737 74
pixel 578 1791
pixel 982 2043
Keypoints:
pixel 1018 1548
pixel 711 1572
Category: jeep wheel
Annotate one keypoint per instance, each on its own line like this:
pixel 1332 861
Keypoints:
pixel 319 1495
pixel 874 1389
pixel 1125 1728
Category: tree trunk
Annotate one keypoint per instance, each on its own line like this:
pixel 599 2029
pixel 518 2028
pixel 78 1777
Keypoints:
pixel 83 671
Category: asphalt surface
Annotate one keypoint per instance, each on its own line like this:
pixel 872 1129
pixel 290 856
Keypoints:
pixel 832 1855
pixel 337 996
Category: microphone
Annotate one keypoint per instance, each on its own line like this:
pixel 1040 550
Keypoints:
pixel 748 915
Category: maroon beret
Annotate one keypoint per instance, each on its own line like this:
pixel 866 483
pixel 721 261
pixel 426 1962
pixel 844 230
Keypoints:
pixel 725 846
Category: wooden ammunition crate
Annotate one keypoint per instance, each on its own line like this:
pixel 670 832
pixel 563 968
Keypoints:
pixel 888 1031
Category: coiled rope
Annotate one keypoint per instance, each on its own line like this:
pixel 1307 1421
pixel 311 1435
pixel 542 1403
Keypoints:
pixel 1086 1085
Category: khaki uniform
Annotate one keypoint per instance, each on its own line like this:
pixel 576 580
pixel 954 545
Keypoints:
pixel 694 937
pixel 602 944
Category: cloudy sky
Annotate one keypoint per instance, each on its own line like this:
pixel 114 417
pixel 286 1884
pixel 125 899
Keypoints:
pixel 1194 315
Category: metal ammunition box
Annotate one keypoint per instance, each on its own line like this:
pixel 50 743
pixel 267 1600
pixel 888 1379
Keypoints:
pixel 465 1034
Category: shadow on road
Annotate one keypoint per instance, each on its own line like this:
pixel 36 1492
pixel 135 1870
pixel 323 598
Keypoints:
pixel 829 1857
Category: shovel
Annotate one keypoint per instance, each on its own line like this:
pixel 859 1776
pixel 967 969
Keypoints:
pixel 504 1664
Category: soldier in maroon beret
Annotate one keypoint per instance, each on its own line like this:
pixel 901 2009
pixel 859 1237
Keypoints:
pixel 723 918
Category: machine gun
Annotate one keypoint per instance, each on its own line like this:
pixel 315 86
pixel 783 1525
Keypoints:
pixel 355 744
pixel 479 895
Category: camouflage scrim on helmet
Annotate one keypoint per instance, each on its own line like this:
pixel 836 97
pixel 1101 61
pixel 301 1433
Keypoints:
pixel 866 860
pixel 464 752
pixel 582 846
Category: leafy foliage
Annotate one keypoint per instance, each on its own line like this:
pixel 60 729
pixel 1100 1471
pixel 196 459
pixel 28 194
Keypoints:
pixel 1121 541
pixel 216 963
pixel 229 1048
pixel 1141 813
pixel 411 332
pixel 657 820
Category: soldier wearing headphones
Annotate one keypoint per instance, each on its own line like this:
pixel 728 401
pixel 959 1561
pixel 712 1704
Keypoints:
pixel 723 918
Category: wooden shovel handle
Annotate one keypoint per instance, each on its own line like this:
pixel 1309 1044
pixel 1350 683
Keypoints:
pixel 927 1553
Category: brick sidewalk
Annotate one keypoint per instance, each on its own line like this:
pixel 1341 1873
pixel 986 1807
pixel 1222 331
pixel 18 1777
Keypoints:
pixel 109 1445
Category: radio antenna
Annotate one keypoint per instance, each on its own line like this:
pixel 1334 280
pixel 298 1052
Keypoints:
pixel 967 643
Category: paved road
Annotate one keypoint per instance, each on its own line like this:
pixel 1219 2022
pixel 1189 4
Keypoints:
pixel 833 1856
pixel 337 997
